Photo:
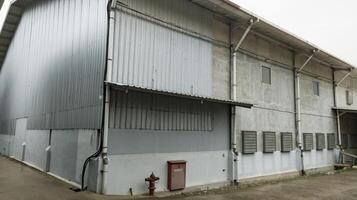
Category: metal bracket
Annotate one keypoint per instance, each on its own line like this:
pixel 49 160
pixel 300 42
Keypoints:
pixel 251 23
pixel 308 60
pixel 343 78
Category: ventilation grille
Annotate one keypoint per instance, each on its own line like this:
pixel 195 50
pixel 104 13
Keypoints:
pixel 308 141
pixel 269 142
pixel 286 142
pixel 331 141
pixel 320 141
pixel 249 142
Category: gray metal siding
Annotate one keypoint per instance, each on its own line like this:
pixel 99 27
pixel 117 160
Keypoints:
pixel 138 141
pixel 286 142
pixel 155 51
pixel 308 141
pixel 320 141
pixel 331 141
pixel 53 71
pixel 136 110
pixel 269 142
pixel 249 142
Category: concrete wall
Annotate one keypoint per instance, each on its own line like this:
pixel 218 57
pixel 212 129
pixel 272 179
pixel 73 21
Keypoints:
pixel 69 149
pixel 316 111
pixel 135 153
pixel 273 111
pixel 273 108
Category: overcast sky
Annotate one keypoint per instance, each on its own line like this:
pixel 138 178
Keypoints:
pixel 330 24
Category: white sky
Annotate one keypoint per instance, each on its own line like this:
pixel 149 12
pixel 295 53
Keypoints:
pixel 330 24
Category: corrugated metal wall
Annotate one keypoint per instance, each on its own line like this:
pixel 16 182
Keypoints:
pixel 135 110
pixel 53 71
pixel 163 45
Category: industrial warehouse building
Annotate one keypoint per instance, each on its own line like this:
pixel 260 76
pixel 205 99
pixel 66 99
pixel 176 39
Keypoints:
pixel 133 84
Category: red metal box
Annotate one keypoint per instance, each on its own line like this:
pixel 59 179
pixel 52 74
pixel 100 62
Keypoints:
pixel 176 178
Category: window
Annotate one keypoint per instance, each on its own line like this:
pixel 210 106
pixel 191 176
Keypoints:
pixel 320 141
pixel 249 142
pixel 330 141
pixel 316 88
pixel 266 75
pixel 286 142
pixel 269 142
pixel 308 141
pixel 349 97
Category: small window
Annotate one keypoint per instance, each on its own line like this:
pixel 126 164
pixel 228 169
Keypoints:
pixel 269 142
pixel 331 141
pixel 266 75
pixel 249 142
pixel 286 142
pixel 320 141
pixel 316 88
pixel 308 141
pixel 349 97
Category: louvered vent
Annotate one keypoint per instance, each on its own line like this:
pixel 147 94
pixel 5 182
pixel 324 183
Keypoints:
pixel 269 142
pixel 286 142
pixel 320 141
pixel 249 142
pixel 308 141
pixel 331 141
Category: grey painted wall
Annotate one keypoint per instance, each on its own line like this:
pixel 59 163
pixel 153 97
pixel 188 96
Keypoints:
pixel 53 71
pixel 136 141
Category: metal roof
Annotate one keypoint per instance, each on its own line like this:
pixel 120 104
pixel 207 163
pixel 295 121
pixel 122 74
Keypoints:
pixel 345 110
pixel 139 89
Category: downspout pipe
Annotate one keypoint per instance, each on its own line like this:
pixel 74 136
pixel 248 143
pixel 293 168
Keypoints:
pixel 234 51
pixel 103 143
pixel 338 114
pixel 109 69
pixel 297 73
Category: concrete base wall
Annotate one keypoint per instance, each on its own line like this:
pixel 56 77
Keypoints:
pixel 129 171
pixel 69 149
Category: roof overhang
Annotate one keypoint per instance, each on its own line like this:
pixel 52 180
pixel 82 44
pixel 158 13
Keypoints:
pixel 274 32
pixel 204 99
pixel 344 110
pixel 10 16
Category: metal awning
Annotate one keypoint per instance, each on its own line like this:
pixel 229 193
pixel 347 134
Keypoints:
pixel 344 110
pixel 207 99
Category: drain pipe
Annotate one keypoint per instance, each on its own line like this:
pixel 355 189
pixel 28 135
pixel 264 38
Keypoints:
pixel 234 52
pixel 338 114
pixel 109 69
pixel 297 72
pixel 103 143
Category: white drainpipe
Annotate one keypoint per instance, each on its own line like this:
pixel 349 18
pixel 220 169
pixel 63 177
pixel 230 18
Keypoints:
pixel 338 114
pixel 234 98
pixel 105 159
pixel 298 109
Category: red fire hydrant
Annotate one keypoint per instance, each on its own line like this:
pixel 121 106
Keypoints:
pixel 152 179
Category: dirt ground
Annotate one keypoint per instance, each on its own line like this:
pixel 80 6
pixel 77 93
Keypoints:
pixel 19 182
